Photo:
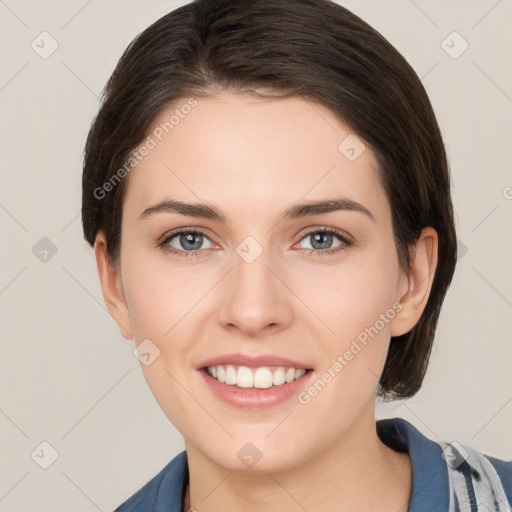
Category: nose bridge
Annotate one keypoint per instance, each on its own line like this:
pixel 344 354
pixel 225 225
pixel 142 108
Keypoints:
pixel 251 272
pixel 255 297
pixel 252 278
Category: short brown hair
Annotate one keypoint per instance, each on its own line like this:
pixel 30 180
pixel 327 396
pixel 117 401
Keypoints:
pixel 314 49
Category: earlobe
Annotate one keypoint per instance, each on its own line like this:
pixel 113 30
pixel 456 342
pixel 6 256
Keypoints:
pixel 110 279
pixel 422 269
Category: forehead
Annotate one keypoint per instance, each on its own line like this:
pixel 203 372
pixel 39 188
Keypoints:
pixel 244 152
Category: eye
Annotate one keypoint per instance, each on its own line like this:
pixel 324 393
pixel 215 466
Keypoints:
pixel 186 242
pixel 190 242
pixel 321 241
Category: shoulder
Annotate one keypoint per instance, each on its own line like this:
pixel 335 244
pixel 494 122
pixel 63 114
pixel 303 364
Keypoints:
pixel 163 492
pixel 455 472
pixel 504 470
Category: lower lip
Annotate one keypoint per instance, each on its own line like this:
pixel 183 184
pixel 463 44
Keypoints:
pixel 254 398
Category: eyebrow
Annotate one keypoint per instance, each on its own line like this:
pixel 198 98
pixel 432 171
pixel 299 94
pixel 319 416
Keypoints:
pixel 206 211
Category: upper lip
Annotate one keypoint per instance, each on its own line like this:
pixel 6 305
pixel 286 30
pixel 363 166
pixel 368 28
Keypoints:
pixel 253 361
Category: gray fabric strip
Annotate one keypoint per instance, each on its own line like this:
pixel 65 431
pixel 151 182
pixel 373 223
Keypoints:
pixel 482 491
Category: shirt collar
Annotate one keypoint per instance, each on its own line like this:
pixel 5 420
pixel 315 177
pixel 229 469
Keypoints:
pixel 430 489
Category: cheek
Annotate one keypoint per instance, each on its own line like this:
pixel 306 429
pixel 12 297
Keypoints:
pixel 165 306
pixel 355 294
pixel 360 312
pixel 161 297
pixel 358 306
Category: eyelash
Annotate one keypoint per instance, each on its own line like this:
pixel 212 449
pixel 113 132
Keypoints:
pixel 312 252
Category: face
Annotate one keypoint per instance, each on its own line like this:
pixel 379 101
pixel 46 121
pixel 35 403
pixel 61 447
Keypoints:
pixel 258 283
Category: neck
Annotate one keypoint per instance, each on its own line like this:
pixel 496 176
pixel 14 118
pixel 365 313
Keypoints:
pixel 357 473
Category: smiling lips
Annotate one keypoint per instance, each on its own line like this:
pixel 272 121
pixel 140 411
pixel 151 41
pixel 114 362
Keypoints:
pixel 254 381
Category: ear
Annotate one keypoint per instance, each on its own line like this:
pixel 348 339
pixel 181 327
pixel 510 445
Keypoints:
pixel 414 290
pixel 110 279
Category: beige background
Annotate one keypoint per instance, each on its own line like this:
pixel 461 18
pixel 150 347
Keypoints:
pixel 67 377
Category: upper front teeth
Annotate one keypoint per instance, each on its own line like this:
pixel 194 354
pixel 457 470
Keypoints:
pixel 262 378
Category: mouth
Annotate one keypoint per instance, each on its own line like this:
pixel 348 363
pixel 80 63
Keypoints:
pixel 255 382
pixel 263 377
pixel 250 381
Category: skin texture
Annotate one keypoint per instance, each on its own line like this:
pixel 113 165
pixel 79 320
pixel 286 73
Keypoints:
pixel 253 158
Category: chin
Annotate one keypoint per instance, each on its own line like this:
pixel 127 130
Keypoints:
pixel 256 454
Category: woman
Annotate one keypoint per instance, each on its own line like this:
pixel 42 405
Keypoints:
pixel 268 197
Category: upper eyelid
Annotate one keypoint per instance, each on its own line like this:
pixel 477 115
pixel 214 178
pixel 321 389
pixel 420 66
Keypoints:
pixel 336 231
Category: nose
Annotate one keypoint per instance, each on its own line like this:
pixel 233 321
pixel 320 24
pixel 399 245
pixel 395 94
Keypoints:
pixel 254 299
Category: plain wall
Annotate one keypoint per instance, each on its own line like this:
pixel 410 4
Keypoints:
pixel 67 376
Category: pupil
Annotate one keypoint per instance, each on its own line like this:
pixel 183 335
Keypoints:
pixel 318 237
pixel 187 241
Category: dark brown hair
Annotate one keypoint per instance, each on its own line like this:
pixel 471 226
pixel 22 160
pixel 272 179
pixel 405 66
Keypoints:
pixel 314 49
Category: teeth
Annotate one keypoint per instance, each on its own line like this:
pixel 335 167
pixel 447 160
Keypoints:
pixel 230 375
pixel 261 378
pixel 244 377
pixel 279 377
pixel 221 374
pixel 299 373
pixel 290 374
